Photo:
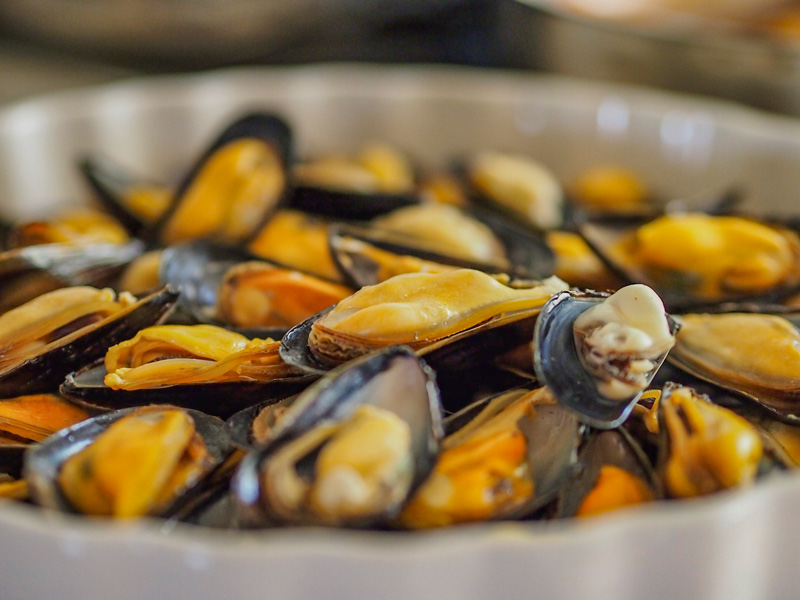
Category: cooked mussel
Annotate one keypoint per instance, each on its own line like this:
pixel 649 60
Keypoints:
pixel 520 185
pixel 508 461
pixel 598 354
pixel 33 418
pixel 229 286
pixel 257 294
pixel 697 259
pixel 446 230
pixel 56 333
pixel 754 354
pixel 417 309
pixel 376 181
pixel 234 187
pixel 128 463
pixel 705 447
pixel 78 226
pixel 198 366
pixel 371 256
pixel 350 449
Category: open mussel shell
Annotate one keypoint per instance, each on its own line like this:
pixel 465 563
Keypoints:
pixel 394 380
pixel 43 462
pixel 529 257
pixel 681 291
pixel 704 447
pixel 111 183
pixel 197 269
pixel 751 354
pixel 505 457
pixel 609 448
pixel 45 372
pixel 559 367
pixel 473 347
pixel 527 251
pixel 275 138
pixel 87 389
pixel 26 273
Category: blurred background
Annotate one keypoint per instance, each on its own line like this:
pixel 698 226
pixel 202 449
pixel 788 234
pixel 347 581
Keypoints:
pixel 745 50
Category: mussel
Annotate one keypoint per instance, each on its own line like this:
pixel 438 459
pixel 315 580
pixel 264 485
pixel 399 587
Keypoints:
pixel 47 338
pixel 599 354
pixel 756 355
pixel 697 259
pixel 380 179
pixel 520 185
pixel 198 366
pixel 350 449
pixel 234 187
pixel 447 230
pixel 705 447
pixel 417 309
pixel 508 461
pixel 136 202
pixel 78 227
pixel 128 463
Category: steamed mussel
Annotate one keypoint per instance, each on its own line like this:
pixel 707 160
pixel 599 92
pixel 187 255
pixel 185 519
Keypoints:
pixel 417 309
pixel 198 366
pixel 56 333
pixel 755 354
pixel 128 463
pixel 509 460
pixel 599 354
pixel 350 449
pixel 698 259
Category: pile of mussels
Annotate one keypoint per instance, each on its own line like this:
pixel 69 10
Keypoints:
pixel 349 341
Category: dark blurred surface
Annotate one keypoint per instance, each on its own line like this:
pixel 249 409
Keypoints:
pixel 35 60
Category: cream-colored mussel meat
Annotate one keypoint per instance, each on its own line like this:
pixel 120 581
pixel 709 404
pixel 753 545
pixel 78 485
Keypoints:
pixel 623 339
pixel 418 309
pixel 758 354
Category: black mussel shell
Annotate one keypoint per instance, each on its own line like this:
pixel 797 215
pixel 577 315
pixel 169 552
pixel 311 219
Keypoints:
pixel 269 128
pixel 294 347
pixel 26 273
pixel 527 251
pixel 613 447
pixel 43 461
pixel 359 270
pixel 467 386
pixel 558 366
pixel 45 372
pixel 86 389
pixel 529 257
pixel 394 379
pixel 110 182
pixel 341 204
pixel 11 457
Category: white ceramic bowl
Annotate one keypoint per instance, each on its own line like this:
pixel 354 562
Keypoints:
pixel 742 544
